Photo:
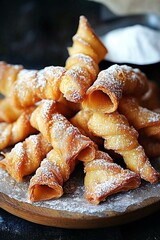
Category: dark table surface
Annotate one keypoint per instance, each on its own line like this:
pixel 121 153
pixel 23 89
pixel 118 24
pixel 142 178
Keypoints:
pixel 37 34
pixel 14 228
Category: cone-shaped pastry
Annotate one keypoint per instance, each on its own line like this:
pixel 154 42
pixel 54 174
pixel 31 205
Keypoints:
pixel 8 74
pixel 46 183
pixel 111 84
pixel 104 178
pixel 48 83
pixel 82 65
pixel 8 112
pixel 68 143
pixel 26 156
pixel 86 42
pixel 123 139
pixel 63 136
pixel 11 133
pixel 143 119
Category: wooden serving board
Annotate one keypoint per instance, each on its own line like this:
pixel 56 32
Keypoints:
pixel 72 211
pixel 64 219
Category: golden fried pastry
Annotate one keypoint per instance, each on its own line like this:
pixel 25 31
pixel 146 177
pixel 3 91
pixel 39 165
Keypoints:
pixel 48 83
pixel 8 112
pixel 80 120
pixel 86 42
pixel 68 143
pixel 63 136
pixel 75 109
pixel 82 65
pixel 143 119
pixel 105 93
pixel 46 183
pixel 26 156
pixel 8 75
pixel 104 178
pixel 32 86
pixel 123 139
pixel 11 133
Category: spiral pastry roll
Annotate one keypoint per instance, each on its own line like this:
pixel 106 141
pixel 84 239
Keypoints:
pixel 103 177
pixel 68 143
pixel 8 75
pixel 105 93
pixel 82 65
pixel 25 157
pixel 47 182
pixel 144 120
pixel 8 112
pixel 80 120
pixel 85 41
pixel 11 133
pixel 63 136
pixel 123 139
pixel 31 86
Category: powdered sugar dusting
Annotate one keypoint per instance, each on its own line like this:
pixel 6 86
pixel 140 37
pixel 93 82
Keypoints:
pixel 76 37
pixel 54 72
pixel 34 139
pixel 41 80
pixel 45 169
pixel 110 80
pixel 73 200
pixel 148 116
pixel 47 105
pixel 134 74
pixel 19 149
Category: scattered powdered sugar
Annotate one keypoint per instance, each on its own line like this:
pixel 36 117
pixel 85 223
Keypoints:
pixel 84 58
pixel 47 105
pixel 19 149
pixel 76 37
pixel 34 139
pixel 54 72
pixel 17 67
pixel 109 80
pixel 41 80
pixel 73 199
pixel 25 74
pixel 148 116
pixel 45 170
pixel 87 62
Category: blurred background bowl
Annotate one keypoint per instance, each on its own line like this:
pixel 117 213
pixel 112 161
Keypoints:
pixel 149 20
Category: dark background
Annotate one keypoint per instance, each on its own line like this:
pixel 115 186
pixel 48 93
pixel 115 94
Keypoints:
pixel 36 34
pixel 14 228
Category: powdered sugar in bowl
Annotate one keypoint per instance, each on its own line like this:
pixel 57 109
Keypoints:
pixel 133 40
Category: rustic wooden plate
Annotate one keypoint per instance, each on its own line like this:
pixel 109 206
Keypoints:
pixel 72 211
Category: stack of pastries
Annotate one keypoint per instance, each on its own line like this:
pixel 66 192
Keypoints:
pixel 56 117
